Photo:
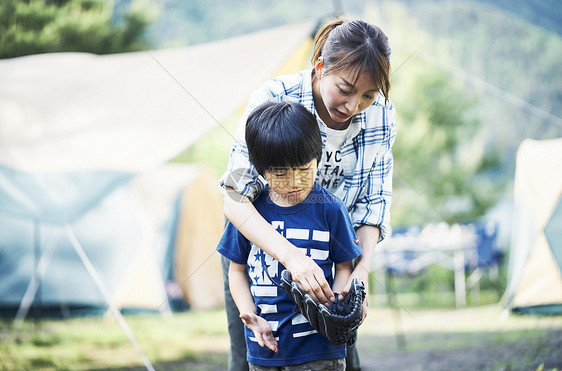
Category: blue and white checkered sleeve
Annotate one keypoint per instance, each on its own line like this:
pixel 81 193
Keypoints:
pixel 373 206
pixel 240 173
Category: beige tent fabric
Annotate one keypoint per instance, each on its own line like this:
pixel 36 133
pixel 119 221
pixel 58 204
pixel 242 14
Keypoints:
pixel 132 111
pixel 197 264
pixel 541 279
pixel 153 193
pixel 141 285
pixel 534 277
pixel 539 164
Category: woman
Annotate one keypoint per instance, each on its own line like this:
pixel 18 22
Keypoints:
pixel 347 91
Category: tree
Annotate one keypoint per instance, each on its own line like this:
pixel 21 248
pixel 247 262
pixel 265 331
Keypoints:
pixel 43 26
pixel 442 170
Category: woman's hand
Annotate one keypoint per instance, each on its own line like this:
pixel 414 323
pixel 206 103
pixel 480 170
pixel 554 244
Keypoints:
pixel 368 237
pixel 362 276
pixel 310 277
pixel 261 329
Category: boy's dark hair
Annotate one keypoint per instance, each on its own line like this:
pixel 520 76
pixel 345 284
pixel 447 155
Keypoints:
pixel 282 135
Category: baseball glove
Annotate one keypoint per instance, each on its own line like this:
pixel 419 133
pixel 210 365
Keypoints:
pixel 339 322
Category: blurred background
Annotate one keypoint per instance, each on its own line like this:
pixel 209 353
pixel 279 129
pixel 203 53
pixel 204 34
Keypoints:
pixel 117 118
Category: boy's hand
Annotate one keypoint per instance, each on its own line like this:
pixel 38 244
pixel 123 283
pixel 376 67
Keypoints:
pixel 261 329
pixel 362 276
pixel 310 277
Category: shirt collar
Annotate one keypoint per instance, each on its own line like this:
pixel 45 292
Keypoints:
pixel 360 120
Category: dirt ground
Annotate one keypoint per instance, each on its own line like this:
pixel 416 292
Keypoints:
pixel 481 338
pixel 519 355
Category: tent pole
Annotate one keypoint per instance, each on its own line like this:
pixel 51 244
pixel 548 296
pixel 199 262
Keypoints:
pixel 114 310
pixel 36 253
pixel 40 269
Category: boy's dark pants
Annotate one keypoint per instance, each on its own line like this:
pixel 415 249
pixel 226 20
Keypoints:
pixel 237 355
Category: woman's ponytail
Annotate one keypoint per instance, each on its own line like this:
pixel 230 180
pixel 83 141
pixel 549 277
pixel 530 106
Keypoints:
pixel 322 36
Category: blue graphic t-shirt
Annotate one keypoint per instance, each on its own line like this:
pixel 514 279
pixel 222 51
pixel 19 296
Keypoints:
pixel 321 228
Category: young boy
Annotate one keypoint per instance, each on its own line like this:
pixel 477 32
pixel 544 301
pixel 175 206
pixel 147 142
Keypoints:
pixel 284 145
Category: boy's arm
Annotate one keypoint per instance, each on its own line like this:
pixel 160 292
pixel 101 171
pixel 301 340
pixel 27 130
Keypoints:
pixel 240 290
pixel 343 272
pixel 244 216
pixel 368 236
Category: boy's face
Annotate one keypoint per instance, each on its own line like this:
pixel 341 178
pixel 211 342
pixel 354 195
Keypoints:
pixel 288 187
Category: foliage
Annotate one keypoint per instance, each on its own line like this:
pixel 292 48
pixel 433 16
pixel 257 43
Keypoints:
pixel 435 155
pixel 456 142
pixel 513 63
pixel 198 21
pixel 434 288
pixel 543 13
pixel 495 72
pixel 213 149
pixel 37 26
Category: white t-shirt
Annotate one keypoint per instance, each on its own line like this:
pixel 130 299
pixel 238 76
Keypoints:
pixel 331 170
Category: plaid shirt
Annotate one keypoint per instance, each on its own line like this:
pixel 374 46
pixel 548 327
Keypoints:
pixel 366 156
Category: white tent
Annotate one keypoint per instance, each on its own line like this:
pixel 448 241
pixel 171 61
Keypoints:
pixel 88 208
pixel 535 261
pixel 129 112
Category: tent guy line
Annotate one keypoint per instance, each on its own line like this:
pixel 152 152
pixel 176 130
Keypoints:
pixel 389 292
pixel 189 93
pixel 403 63
pixel 490 88
pixel 230 134
pixel 33 286
pixel 183 282
pixel 106 171
pixel 370 274
pixel 218 122
pixel 112 307
pixel 192 273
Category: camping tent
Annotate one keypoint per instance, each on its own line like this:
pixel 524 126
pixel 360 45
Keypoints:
pixel 535 265
pixel 90 214
pixel 76 129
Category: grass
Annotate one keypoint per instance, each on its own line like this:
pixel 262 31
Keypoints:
pixel 86 343
pixel 433 288
pixel 198 340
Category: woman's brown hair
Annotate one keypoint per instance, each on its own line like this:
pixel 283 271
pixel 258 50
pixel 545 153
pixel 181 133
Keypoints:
pixel 356 44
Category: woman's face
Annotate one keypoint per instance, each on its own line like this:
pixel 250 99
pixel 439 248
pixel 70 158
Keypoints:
pixel 340 98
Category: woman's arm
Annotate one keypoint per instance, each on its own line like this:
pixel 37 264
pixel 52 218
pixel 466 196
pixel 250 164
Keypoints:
pixel 372 204
pixel 244 216
pixel 240 289
pixel 368 236
pixel 343 272
pixel 371 211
